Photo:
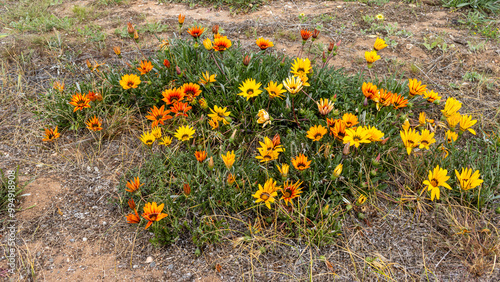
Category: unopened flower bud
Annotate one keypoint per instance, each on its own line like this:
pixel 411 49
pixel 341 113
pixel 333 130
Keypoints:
pixel 324 57
pixel 181 19
pixel 347 146
pixel 130 29
pixel 187 189
pixel 166 63
pixel 178 70
pixel 136 36
pixel 203 103
pixel 89 65
pixel 365 102
pixel 117 51
pixel 211 163
pixel 131 204
pixel 215 29
pixel 246 60
pixel 315 34
pixel 373 173
pixel 331 46
pixel 384 141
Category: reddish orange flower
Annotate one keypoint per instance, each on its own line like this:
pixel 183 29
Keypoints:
pixel 200 155
pixel 338 130
pixel 221 44
pixel 133 218
pixel 385 97
pixel 131 204
pixel 153 213
pixel 398 101
pixel 133 185
pixel 369 90
pixel 191 91
pixel 276 140
pixel 94 124
pixel 51 134
pixel 172 96
pixel 158 115
pixel 187 189
pixel 306 34
pixel 180 109
pixel 196 31
pixel 80 102
pixel 145 67
pixel 94 96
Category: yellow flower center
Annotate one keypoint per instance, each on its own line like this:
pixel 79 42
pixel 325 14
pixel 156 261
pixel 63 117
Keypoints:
pixel 250 91
pixel 287 193
pixel 265 196
pixel 185 137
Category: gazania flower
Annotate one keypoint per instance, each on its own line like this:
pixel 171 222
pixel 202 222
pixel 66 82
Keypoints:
pixel 467 179
pixel 466 122
pixel 186 188
pixel 156 131
pixel 80 102
pixel 301 67
pixel 421 119
pixel 269 144
pixel 250 88
pixel 196 31
pixel 158 115
pixel 94 124
pixel 305 34
pixel 426 139
pixel 267 193
pixel 230 179
pixel 283 170
pixel 300 162
pixel 361 199
pixel 406 125
pixel 148 138
pixel 338 129
pixel 374 134
pixel 165 141
pixel 145 67
pixel 411 139
pixel 386 98
pixel 398 101
pixel 130 81
pixel 276 140
pixel 153 213
pixel 325 106
pixel 133 218
pixel 191 91
pixel 172 96
pixel 219 113
pixel 293 85
pixel 451 107
pixel 215 29
pixel 290 191
pixel 184 133
pixel 164 45
pixel 213 123
pixel 275 90
pixel 453 120
pixel 131 204
pixel 207 43
pixel 437 178
pixel 350 120
pixel 181 19
pixel 207 78
pixel 221 44
pixel 356 136
pixel 380 17
pixel 133 185
pixel 369 90
pixel 431 96
pixel 93 96
pixel 371 57
pixel 264 118
pixel 264 43
pixel 379 44
pixel 315 34
pixel 316 132
pixel 338 170
pixel 267 155
pixel 416 87
pixel 229 159
pixel 200 155
pixel 304 80
pixel 51 134
pixel 59 86
pixel 180 109
pixel 203 103
pixel 451 136
pixel 166 63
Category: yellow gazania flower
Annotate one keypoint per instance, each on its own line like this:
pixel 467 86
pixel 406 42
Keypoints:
pixel 325 106
pixel 416 87
pixel 453 120
pixel 153 213
pixel 200 155
pixel 229 159
pixel 379 44
pixel 51 134
pixel 221 44
pixel 263 43
pixel 386 98
pixel 80 102
pixel 133 185
pixel 166 141
pixel 184 133
pixel 406 125
pixel 316 132
pixel 219 113
pixel 59 86
pixel 207 43
pixel 230 179
pixel 350 120
pixel 267 193
pixel 145 67
pixel 374 134
pixel 275 90
pixel 421 119
pixel 411 139
pixel 304 80
pixel 207 78
pixel 203 103
pixel 361 199
pixel 338 170
pixel 94 124
pixel 213 123
pixel 164 44
pixel 426 139
pixel 290 191
pixel 264 118
pixel 148 138
pixel 191 91
pixel 283 170
pixel 431 96
pixel 250 88
pixel 267 155
pixel 465 123
pixel 301 67
pixel 300 162
pixel 156 131
pixel 338 129
pixel 130 81
pixel 451 136
pixel 356 136
pixel 293 85
pixel 369 90
pixel 467 179
pixel 380 17
pixel 437 177
pixel 269 144
pixel 371 57
pixel 451 107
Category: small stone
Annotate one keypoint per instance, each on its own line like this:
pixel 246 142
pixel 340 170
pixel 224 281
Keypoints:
pixel 153 264
pixel 135 266
pixel 84 239
pixel 104 223
pixel 149 260
pixel 72 240
pixel 170 267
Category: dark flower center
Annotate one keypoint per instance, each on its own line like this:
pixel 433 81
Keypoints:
pixel 265 196
pixel 434 182
pixel 317 135
pixel 249 91
pixel 130 84
pixel 287 193
pixel 185 137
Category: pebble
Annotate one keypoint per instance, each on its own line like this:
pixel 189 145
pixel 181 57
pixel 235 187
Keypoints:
pixel 135 266
pixel 84 239
pixel 170 267
pixel 149 259
pixel 153 264
pixel 72 240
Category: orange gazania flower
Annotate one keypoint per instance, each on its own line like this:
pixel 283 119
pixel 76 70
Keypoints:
pixel 196 31
pixel 180 109
pixel 94 124
pixel 369 90
pixel 398 101
pixel 133 185
pixel 145 67
pixel 93 96
pixel 172 96
pixel 191 91
pixel 158 115
pixel 58 86
pixel 51 134
pixel 264 43
pixel 80 102
pixel 305 34
pixel 153 213
pixel 290 191
pixel 133 218
pixel 338 129
pixel 300 162
pixel 200 155
pixel 350 120
pixel 416 87
pixel 181 18
pixel 386 97
pixel 221 44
